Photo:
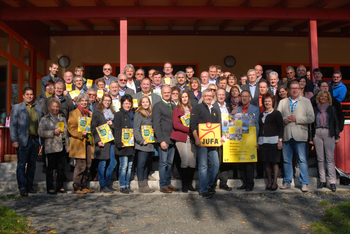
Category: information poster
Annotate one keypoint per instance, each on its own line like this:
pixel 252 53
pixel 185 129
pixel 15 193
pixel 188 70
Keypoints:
pixel 239 133
pixel 209 134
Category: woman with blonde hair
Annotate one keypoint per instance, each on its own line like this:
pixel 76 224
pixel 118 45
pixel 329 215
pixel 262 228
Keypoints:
pixel 143 118
pixel 195 90
pixel 184 142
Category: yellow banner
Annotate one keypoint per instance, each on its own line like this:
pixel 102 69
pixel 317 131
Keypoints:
pixel 239 132
pixel 210 134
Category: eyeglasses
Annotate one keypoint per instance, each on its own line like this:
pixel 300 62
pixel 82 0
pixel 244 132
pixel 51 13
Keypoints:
pixel 214 90
pixel 175 93
pixel 139 74
pixel 289 72
pixel 92 95
pixel 122 80
pixel 109 69
pixel 107 101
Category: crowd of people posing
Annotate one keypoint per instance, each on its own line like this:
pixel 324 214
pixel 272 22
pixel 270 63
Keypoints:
pixel 290 115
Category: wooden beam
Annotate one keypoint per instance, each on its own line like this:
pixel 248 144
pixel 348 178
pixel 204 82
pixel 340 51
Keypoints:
pixel 211 2
pixel 62 3
pixel 3 4
pixel 283 3
pixel 313 46
pixel 186 12
pixel 345 29
pixel 197 24
pixel 114 24
pixel 319 4
pixel 87 24
pixel 300 27
pixel 196 33
pixel 251 25
pixel 224 25
pixel 330 26
pixel 174 2
pixel 170 24
pixel 24 3
pixel 279 25
pixel 247 3
pixel 142 24
pixel 136 3
pixel 99 3
pixel 123 43
pixel 58 24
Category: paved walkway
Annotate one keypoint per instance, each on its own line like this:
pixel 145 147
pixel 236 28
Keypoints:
pixel 236 212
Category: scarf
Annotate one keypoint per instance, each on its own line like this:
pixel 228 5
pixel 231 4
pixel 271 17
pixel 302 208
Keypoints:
pixel 108 114
pixel 47 94
pixel 169 105
pixel 84 111
pixel 323 111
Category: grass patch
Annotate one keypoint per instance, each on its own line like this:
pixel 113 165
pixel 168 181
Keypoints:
pixel 336 220
pixel 11 196
pixel 10 222
pixel 324 203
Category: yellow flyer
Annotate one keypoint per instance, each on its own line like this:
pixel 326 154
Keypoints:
pixel 60 125
pixel 84 124
pixel 89 83
pixel 167 81
pixel 134 103
pixel 105 133
pixel 128 136
pixel 74 93
pixel 210 134
pixel 239 134
pixel 100 93
pixel 69 87
pixel 116 105
pixel 147 133
pixel 185 120
pixel 107 87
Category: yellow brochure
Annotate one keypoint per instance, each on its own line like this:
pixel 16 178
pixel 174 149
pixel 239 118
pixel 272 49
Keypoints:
pixel 128 136
pixel 84 124
pixel 105 133
pixel 147 133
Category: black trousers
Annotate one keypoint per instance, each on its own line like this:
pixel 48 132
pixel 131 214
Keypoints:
pixel 55 161
pixel 223 169
pixel 247 173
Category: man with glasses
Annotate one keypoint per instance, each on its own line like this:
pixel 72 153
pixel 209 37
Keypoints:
pixel 51 76
pixel 92 93
pixel 290 73
pixel 146 91
pixel 122 85
pixel 140 74
pixel 107 71
pixel 297 113
pixel 337 88
pixel 301 71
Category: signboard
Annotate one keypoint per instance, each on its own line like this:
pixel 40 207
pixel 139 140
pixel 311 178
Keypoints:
pixel 210 134
pixel 239 133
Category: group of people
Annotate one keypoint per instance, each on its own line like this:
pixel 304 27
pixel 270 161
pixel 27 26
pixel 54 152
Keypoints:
pixel 290 115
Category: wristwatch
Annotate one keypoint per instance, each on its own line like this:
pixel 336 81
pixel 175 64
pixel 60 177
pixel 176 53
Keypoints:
pixel 280 139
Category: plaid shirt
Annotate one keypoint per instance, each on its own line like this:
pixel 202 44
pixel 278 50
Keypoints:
pixel 292 105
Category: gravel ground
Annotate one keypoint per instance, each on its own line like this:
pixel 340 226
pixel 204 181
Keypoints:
pixel 175 213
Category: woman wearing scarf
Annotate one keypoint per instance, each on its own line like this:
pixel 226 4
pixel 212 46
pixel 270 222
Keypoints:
pixel 81 146
pixel 325 135
pixel 104 152
pixel 57 145
pixel 124 119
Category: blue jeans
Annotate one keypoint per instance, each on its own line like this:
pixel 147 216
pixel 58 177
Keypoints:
pixel 207 175
pixel 300 149
pixel 166 158
pixel 143 159
pixel 27 155
pixel 105 175
pixel 125 170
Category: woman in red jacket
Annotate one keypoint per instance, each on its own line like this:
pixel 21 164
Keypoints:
pixel 184 142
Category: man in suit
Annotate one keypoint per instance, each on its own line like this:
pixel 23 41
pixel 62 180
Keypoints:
pixel 252 86
pixel 92 93
pixel 146 91
pixel 274 82
pixel 212 75
pixel 163 127
pixel 181 81
pixel 297 113
pixel 25 118
pixel 189 74
pixel 140 74
pixel 51 76
pixel 157 83
pixel 68 79
pixel 259 71
pixel 313 87
pixel 290 73
pixel 107 71
pixel 131 83
pixel 204 113
pixel 247 169
pixel 123 89
pixel 301 71
pixel 223 108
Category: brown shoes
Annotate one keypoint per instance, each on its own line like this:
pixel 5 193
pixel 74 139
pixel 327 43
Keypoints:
pixel 166 190
pixel 80 192
pixel 88 190
pixel 172 188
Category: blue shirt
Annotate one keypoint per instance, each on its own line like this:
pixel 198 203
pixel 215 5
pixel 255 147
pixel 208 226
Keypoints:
pixel 122 92
pixel 252 89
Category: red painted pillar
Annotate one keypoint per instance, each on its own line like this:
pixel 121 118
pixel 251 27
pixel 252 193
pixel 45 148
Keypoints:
pixel 123 43
pixel 313 47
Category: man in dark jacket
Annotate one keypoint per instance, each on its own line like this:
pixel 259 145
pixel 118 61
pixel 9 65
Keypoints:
pixel 203 113
pixel 163 127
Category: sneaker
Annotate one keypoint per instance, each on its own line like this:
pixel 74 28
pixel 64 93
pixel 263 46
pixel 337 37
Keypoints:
pixel 80 192
pixel 304 188
pixel 207 195
pixel 105 189
pixel 130 191
pixel 151 178
pixel 226 188
pixel 124 190
pixel 88 190
pixel 110 187
pixel 31 190
pixel 211 191
pixel 23 193
pixel 285 186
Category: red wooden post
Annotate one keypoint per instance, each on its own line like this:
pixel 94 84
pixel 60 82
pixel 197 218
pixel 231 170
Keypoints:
pixel 123 43
pixel 313 47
